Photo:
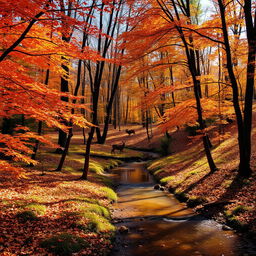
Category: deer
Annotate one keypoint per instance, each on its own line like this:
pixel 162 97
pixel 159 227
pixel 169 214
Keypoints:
pixel 119 147
pixel 131 131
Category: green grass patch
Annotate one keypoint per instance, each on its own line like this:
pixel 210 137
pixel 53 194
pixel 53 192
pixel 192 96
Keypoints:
pixel 158 171
pixel 227 183
pixel 167 179
pixel 36 199
pixel 96 223
pixel 179 158
pixel 235 223
pixel 87 199
pixel 38 209
pixel 90 216
pixel 69 169
pixel 112 163
pixel 96 167
pixel 109 193
pixel 64 244
pixel 192 173
pixel 237 210
pixel 95 208
pixel 232 220
pixel 200 162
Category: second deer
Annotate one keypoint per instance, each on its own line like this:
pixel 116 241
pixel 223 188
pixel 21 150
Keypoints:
pixel 131 131
pixel 119 147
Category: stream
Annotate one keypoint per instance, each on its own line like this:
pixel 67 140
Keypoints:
pixel 158 224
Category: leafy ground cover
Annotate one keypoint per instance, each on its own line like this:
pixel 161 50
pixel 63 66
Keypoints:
pixel 221 195
pixel 50 213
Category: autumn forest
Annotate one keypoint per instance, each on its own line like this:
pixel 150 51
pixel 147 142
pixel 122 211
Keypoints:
pixel 127 127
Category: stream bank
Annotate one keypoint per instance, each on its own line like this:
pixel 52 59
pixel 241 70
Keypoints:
pixel 153 222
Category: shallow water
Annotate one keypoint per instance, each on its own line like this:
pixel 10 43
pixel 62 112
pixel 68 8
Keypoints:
pixel 160 225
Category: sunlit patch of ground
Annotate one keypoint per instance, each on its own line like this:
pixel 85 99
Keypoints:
pixel 40 207
pixel 49 213
pixel 186 173
pixel 47 204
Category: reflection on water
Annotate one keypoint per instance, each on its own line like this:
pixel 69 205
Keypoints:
pixel 153 230
pixel 132 174
pixel 153 238
pixel 145 201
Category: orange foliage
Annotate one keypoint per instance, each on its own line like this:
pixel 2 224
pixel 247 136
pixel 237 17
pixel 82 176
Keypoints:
pixel 31 43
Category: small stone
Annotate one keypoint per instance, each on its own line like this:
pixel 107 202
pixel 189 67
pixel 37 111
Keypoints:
pixel 225 227
pixel 196 253
pixel 123 229
pixel 59 150
pixel 157 186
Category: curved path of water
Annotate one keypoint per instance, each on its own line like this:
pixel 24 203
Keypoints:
pixel 159 225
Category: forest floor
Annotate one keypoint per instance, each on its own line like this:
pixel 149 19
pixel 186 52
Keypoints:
pixel 46 212
pixel 55 213
pixel 184 171
pixel 221 195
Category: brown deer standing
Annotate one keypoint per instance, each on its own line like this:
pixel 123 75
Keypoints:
pixel 119 147
pixel 131 131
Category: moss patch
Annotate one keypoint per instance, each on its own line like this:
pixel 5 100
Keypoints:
pixel 64 244
pixel 93 222
pixel 109 193
pixel 38 209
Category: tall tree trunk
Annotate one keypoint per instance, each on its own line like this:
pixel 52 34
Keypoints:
pixel 87 155
pixel 83 102
pixel 114 114
pixel 63 88
pixel 244 165
pixel 194 68
pixel 102 138
pixel 23 120
pixel 7 126
pixel 126 110
pixel 147 125
pixel 35 149
pixel 118 111
pixel 40 123
pixel 91 134
pixel 78 83
pixel 114 89
pixel 70 130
